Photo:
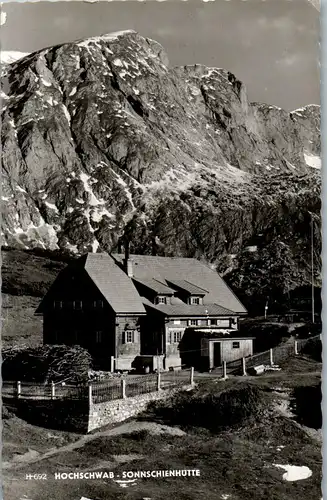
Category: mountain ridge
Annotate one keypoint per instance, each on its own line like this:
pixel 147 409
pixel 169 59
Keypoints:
pixel 102 138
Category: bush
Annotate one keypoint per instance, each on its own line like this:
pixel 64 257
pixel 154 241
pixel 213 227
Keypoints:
pixel 307 330
pixel 267 335
pixel 46 363
pixel 215 412
pixel 307 405
pixel 313 348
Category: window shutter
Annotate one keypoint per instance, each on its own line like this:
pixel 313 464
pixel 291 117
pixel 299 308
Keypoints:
pixel 124 337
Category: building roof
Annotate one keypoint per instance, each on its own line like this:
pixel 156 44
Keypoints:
pixel 188 287
pixel 156 286
pixel 179 308
pixel 168 269
pixel 116 287
pixel 157 272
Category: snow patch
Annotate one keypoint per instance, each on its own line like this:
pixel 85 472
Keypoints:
pixel 10 56
pixel 97 213
pixel 195 91
pixel 94 202
pixel 312 161
pixel 118 62
pixel 77 59
pixel 95 245
pixel 126 189
pixel 45 82
pixel 73 91
pixel 50 100
pixel 66 112
pixel 72 248
pixel 110 37
pixel 295 472
pixel 44 234
pixel 52 206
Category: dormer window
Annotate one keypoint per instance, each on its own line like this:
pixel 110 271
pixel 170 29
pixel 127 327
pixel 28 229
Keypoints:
pixel 193 322
pixel 195 300
pixel 161 299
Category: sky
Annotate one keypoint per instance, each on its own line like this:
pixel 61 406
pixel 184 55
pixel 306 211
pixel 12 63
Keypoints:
pixel 271 45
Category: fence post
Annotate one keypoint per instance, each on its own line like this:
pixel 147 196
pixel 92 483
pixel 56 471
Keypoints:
pixel 112 364
pixel 244 367
pixel 192 375
pixel 296 351
pixel 90 392
pixel 123 388
pixel 53 390
pixel 271 357
pixel 19 388
pixel 224 370
pixel 158 381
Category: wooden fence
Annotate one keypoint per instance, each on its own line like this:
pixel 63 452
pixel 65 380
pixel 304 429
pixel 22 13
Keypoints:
pixel 128 386
pixel 97 392
pixel 270 357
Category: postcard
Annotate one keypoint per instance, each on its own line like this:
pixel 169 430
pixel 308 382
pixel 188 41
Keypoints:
pixel 161 250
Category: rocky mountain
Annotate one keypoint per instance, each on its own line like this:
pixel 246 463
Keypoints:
pixel 100 137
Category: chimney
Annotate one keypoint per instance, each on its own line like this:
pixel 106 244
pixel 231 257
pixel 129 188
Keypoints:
pixel 128 264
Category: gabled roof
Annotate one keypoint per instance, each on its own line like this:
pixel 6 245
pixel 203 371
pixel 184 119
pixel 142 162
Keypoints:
pixel 188 287
pixel 156 286
pixel 177 268
pixel 179 308
pixel 116 287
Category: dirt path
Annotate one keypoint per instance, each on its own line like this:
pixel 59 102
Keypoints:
pixel 124 428
pixel 32 456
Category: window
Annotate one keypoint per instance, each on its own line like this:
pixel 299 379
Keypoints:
pixel 98 337
pixel 57 304
pixel 174 337
pixel 193 322
pixel 77 304
pixel 195 300
pixel 236 345
pixel 98 304
pixel 161 300
pixel 177 321
pixel 129 336
pixel 213 322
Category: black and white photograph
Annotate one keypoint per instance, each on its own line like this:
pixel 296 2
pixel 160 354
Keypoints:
pixel 161 250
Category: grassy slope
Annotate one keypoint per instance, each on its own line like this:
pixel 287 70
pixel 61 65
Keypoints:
pixel 26 277
pixel 236 462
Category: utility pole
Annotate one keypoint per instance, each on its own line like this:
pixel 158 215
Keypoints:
pixel 312 273
pixel 266 309
pixel 158 362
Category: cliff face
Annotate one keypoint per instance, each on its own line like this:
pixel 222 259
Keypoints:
pixel 100 134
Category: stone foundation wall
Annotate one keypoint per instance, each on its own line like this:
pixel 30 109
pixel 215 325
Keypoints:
pixel 64 415
pixel 83 416
pixel 111 412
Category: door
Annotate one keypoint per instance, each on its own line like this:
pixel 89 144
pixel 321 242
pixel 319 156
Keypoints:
pixel 216 354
